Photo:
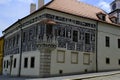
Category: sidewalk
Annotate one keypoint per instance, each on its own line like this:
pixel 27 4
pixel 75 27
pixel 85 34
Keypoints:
pixel 113 75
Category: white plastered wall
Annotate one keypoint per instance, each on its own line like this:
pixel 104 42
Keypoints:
pixel 31 71
pixel 112 52
pixel 69 68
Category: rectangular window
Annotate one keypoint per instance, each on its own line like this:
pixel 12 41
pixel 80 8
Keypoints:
pixel 75 36
pixel 87 38
pixel 68 33
pixel 15 63
pixel 4 64
pixel 119 61
pixel 17 41
pixel 24 36
pixel 74 58
pixel 32 62
pixel 118 43
pixel 107 61
pixel 25 62
pixel 86 59
pixel 7 64
pixel 60 56
pixel 49 29
pixel 107 41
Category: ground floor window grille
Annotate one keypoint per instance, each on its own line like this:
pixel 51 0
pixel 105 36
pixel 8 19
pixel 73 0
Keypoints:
pixel 74 57
pixel 60 56
pixel 86 59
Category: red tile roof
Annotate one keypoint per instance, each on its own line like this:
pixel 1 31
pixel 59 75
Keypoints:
pixel 78 8
pixel 73 7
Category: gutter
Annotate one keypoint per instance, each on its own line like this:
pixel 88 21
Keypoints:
pixel 96 46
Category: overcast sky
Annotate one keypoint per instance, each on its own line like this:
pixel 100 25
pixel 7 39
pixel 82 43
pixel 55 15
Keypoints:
pixel 12 10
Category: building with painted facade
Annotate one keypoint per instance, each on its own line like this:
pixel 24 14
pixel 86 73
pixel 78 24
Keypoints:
pixel 60 39
pixel 1 53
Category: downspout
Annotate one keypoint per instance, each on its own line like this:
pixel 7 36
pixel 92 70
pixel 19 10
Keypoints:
pixel 19 74
pixel 96 46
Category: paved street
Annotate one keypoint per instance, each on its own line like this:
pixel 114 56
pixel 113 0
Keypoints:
pixel 11 78
pixel 113 75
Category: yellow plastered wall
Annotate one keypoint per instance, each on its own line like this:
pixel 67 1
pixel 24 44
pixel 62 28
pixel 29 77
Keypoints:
pixel 1 53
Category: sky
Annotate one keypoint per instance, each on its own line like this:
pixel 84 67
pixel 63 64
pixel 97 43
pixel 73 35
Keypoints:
pixel 12 10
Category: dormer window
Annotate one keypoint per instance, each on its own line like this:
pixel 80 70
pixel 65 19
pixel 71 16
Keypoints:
pixel 113 19
pixel 101 16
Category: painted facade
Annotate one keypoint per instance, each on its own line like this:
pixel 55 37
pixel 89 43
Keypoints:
pixel 50 42
pixel 1 53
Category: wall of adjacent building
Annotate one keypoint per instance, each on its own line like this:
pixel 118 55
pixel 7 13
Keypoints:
pixel 1 53
pixel 112 52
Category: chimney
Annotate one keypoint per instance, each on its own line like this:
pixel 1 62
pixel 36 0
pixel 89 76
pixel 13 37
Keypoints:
pixel 32 7
pixel 40 3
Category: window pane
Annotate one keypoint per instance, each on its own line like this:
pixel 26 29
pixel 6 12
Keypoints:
pixel 87 38
pixel 75 36
pixel 118 43
pixel 14 62
pixel 119 61
pixel 25 62
pixel 7 63
pixel 107 61
pixel 32 62
pixel 4 64
pixel 107 41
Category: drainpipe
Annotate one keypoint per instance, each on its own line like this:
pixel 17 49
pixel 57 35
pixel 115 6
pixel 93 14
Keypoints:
pixel 20 26
pixel 96 46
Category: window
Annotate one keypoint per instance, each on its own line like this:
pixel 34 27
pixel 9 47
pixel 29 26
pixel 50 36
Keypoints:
pixel 25 62
pixel 87 38
pixel 75 36
pixel 24 36
pixel 60 56
pixel 59 31
pixel 107 41
pixel 32 62
pixel 60 71
pixel 119 61
pixel 4 64
pixel 30 34
pixel 7 64
pixel 118 43
pixel 15 63
pixel 74 58
pixel 86 59
pixel 101 16
pixel 13 41
pixel 17 41
pixel 107 61
pixel 68 33
pixel 49 29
